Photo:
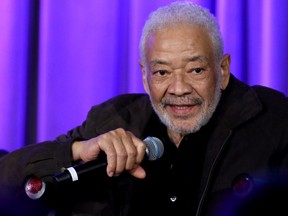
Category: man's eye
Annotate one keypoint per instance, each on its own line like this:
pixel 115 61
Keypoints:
pixel 161 72
pixel 197 70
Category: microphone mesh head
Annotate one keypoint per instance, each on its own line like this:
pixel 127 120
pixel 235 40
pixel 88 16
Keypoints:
pixel 154 148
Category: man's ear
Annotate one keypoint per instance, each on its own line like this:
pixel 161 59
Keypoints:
pixel 144 77
pixel 225 71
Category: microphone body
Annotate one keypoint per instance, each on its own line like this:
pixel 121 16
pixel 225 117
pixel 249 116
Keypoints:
pixel 35 187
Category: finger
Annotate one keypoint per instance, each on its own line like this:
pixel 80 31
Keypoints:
pixel 121 154
pixel 140 148
pixel 125 150
pixel 106 144
pixel 131 151
pixel 138 172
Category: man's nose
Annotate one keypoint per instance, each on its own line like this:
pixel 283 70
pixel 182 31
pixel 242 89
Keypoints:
pixel 179 85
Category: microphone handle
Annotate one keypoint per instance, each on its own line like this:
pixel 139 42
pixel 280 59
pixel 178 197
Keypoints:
pixel 72 173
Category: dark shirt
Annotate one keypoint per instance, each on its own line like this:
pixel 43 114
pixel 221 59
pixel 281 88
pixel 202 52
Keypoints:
pixel 173 181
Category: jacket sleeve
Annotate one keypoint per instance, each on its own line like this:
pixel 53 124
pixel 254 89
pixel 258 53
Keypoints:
pixel 43 160
pixel 47 158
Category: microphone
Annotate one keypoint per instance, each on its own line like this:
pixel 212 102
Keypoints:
pixel 154 150
pixel 35 187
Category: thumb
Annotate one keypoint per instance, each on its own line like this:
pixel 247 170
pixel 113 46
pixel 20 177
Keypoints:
pixel 138 172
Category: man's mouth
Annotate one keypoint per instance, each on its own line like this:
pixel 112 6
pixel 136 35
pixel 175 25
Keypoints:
pixel 180 109
pixel 181 106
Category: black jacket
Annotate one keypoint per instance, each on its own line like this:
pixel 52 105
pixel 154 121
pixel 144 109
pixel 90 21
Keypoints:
pixel 246 161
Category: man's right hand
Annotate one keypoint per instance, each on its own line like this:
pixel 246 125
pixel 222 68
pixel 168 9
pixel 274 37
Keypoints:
pixel 124 152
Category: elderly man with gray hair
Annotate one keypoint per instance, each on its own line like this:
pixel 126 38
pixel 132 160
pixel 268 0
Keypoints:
pixel 225 143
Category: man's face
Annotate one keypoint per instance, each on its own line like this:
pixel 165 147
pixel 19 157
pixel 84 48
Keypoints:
pixel 182 77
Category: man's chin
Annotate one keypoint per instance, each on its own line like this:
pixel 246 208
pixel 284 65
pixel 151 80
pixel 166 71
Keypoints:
pixel 184 128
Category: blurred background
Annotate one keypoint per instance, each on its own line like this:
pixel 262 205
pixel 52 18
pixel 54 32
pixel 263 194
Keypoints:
pixel 59 58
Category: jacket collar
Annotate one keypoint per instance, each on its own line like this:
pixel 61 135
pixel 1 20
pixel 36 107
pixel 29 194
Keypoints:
pixel 238 104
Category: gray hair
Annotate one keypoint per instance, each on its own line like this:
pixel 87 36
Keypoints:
pixel 185 13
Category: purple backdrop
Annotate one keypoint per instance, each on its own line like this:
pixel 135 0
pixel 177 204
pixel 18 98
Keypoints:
pixel 59 58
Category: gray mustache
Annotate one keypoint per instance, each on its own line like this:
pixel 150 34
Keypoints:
pixel 182 101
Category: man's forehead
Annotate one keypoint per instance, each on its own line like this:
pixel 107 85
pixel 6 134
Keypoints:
pixel 195 58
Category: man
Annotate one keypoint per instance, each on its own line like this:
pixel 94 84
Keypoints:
pixel 220 135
